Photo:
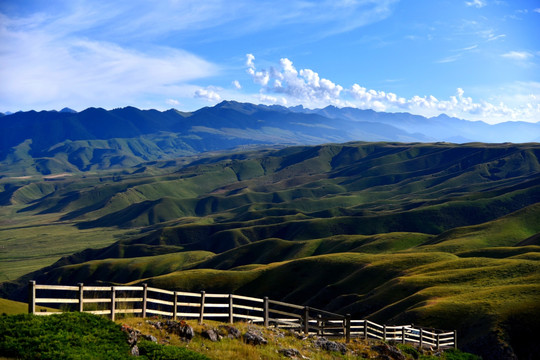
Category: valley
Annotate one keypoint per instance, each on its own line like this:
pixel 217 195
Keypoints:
pixel 437 234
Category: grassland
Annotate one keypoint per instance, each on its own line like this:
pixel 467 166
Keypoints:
pixel 436 234
pixel 84 336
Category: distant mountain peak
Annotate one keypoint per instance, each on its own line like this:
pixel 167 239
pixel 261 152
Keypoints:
pixel 68 110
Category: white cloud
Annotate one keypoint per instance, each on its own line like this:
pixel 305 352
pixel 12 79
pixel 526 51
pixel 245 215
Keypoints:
pixel 43 66
pixel 172 102
pixel 259 77
pixel 449 59
pixel 476 3
pixel 207 94
pixel 268 99
pixel 537 10
pixel 249 61
pixel 492 37
pixel 236 84
pixel 517 55
pixel 306 87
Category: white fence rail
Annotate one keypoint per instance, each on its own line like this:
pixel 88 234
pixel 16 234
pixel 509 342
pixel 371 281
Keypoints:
pixel 145 300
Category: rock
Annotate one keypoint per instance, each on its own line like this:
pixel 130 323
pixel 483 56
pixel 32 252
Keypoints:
pixel 328 345
pixel 211 334
pixel 230 331
pixel 254 338
pixel 133 334
pixel 151 338
pixel 290 353
pixel 182 329
pixel 135 350
pixel 389 352
pixel 157 324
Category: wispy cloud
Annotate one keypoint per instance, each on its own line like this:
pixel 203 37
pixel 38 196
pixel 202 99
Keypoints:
pixel 476 3
pixel 172 102
pixel 236 84
pixel 117 53
pixel 449 59
pixel 517 55
pixel 43 64
pixel 493 37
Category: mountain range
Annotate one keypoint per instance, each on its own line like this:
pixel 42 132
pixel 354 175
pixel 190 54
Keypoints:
pixel 404 226
pixel 49 142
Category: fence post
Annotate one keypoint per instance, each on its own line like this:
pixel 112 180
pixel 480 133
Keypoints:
pixel 365 329
pixel 231 311
pixel 384 332
pixel 265 311
pixel 113 302
pixel 31 297
pixel 421 338
pixel 403 335
pixel 347 328
pixel 201 308
pixel 455 339
pixel 438 341
pixel 175 304
pixel 320 329
pixel 81 297
pixel 144 299
pixel 306 320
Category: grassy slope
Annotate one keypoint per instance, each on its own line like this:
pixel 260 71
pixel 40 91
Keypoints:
pixel 10 307
pixel 76 336
pixel 421 233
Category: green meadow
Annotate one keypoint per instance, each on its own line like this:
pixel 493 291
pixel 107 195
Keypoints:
pixel 439 235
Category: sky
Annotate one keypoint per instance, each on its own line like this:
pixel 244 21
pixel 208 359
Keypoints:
pixel 472 59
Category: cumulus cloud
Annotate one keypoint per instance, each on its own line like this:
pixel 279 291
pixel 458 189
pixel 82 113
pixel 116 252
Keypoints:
pixel 207 94
pixel 517 55
pixel 537 10
pixel 476 3
pixel 306 87
pixel 259 77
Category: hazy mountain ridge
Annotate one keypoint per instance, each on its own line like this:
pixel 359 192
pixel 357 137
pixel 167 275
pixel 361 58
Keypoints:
pixel 49 142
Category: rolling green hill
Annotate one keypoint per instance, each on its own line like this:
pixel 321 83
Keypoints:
pixel 441 235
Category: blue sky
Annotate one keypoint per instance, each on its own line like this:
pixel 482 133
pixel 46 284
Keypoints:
pixel 474 59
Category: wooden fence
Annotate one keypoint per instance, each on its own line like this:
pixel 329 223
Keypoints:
pixel 145 300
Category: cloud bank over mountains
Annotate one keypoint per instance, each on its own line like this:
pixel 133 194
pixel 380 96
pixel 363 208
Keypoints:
pixel 305 86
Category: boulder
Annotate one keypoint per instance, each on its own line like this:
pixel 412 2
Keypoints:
pixel 182 329
pixel 211 334
pixel 290 353
pixel 328 345
pixel 229 331
pixel 151 338
pixel 135 350
pixel 254 338
pixel 388 351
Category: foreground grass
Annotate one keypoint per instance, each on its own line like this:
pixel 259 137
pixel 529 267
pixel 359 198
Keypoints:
pixel 76 336
pixel 279 339
pixel 86 336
